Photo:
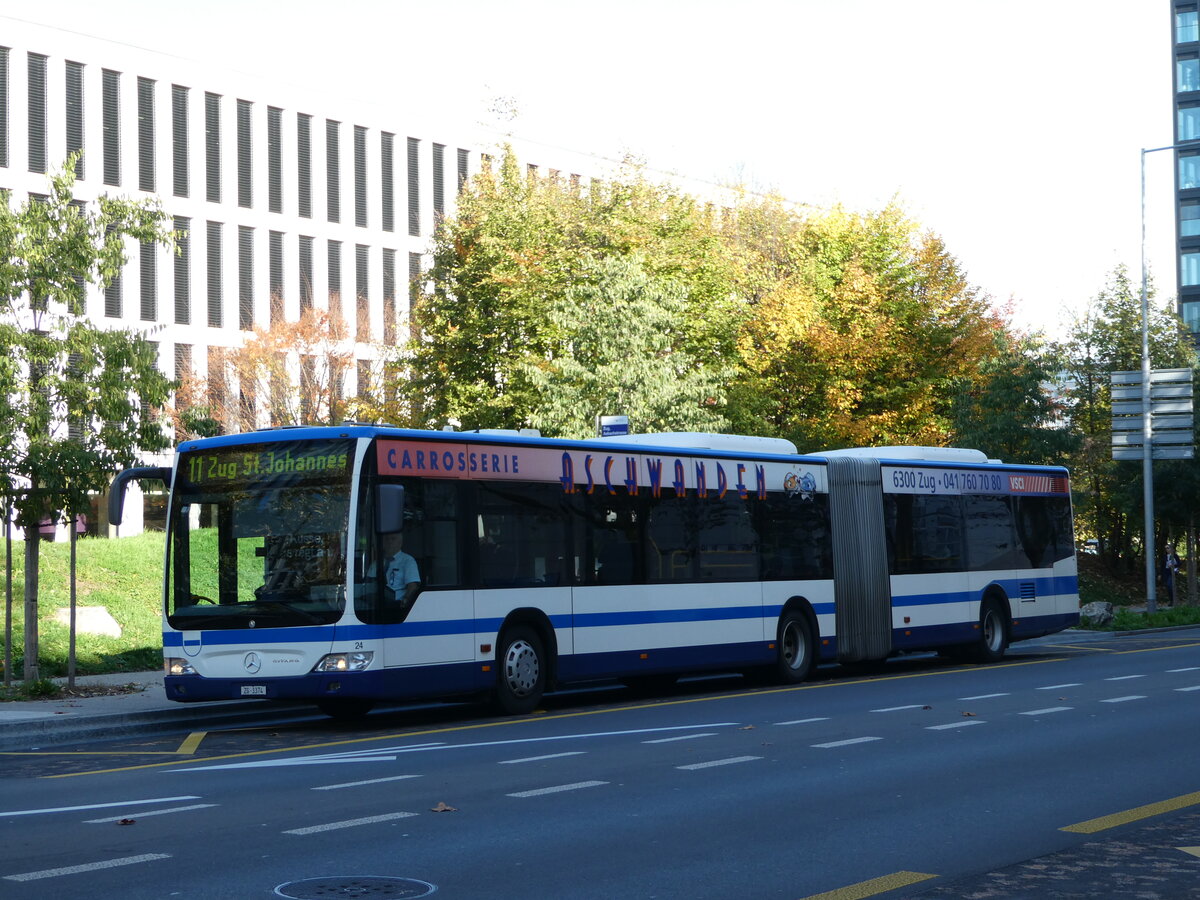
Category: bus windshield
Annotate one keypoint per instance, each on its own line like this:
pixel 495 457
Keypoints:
pixel 258 536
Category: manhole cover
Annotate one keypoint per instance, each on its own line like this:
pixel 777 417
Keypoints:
pixel 378 887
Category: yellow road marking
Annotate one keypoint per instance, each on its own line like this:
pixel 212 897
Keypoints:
pixel 532 719
pixel 1195 851
pixel 189 746
pixel 1091 826
pixel 874 886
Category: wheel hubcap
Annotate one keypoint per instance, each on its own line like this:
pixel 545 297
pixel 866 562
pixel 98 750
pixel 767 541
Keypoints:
pixel 793 646
pixel 521 668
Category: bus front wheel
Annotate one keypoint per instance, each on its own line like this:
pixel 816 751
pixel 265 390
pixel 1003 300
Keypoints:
pixel 795 650
pixel 521 678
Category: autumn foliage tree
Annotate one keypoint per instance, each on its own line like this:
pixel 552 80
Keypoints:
pixel 858 332
pixel 290 373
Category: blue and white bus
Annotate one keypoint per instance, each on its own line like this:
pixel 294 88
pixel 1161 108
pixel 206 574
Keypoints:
pixel 544 562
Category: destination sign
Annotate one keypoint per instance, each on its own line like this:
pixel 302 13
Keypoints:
pixel 920 480
pixel 293 462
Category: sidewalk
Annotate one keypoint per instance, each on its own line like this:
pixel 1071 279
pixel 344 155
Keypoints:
pixel 144 708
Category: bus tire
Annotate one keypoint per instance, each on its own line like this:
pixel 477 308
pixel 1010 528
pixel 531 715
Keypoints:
pixel 345 709
pixel 993 631
pixel 795 648
pixel 521 671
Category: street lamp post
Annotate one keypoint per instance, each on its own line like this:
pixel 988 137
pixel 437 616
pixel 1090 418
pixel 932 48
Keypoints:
pixel 1147 422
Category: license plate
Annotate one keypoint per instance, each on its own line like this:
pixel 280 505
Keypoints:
pixel 254 690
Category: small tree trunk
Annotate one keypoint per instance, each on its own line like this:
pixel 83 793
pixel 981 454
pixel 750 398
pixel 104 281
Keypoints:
pixel 71 644
pixel 33 538
pixel 8 600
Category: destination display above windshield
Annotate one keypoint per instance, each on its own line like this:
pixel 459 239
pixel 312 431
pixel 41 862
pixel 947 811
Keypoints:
pixel 293 462
pixel 920 480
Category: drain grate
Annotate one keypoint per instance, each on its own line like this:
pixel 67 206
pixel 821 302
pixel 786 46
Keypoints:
pixel 376 887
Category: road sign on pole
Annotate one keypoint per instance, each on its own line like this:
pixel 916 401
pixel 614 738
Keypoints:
pixel 1170 423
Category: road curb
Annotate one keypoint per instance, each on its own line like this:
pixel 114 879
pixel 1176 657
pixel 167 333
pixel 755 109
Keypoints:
pixel 66 729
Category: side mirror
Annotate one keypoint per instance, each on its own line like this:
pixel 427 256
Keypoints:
pixel 389 509
pixel 116 493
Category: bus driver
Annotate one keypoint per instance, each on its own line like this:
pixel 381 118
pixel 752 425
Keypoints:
pixel 401 574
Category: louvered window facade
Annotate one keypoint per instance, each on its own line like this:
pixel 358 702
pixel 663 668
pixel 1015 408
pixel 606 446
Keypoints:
pixel 145 134
pixel 389 296
pixel 304 165
pixel 306 273
pixel 37 112
pixel 360 176
pixel 276 263
pixel 387 180
pixel 464 159
pixel 183 271
pixel 439 182
pixel 245 154
pixel 215 296
pixel 148 272
pixel 183 361
pixel 414 277
pixel 334 268
pixel 274 159
pixel 74 120
pixel 414 183
pixel 245 278
pixel 4 106
pixel 212 147
pixel 113 294
pixel 362 293
pixel 179 139
pixel 111 109
pixel 333 186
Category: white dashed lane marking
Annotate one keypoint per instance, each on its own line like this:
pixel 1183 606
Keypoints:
pixel 88 867
pixel 804 721
pixel 983 697
pixel 1123 699
pixel 847 743
pixel 719 762
pixel 149 812
pixel 351 823
pixel 681 737
pixel 511 762
pixel 950 725
pixel 558 789
pixel 1050 709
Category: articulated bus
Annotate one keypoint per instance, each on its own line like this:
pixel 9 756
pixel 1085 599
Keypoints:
pixel 544 562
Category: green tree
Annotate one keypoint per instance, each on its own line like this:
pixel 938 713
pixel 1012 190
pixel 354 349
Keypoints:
pixel 619 352
pixel 1107 338
pixel 504 264
pixel 1010 409
pixel 79 400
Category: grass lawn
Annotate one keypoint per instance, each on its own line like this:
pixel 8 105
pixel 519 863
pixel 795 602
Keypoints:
pixel 123 575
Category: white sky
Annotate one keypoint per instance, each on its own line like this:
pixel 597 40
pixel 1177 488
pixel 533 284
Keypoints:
pixel 1011 128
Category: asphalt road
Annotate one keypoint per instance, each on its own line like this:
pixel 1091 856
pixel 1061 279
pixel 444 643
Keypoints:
pixel 1026 778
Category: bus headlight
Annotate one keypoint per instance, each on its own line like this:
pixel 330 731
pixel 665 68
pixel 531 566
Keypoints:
pixel 176 666
pixel 346 662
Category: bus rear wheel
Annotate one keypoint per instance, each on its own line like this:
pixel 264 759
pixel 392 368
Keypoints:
pixel 795 648
pixel 521 678
pixel 993 631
